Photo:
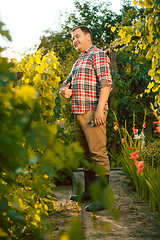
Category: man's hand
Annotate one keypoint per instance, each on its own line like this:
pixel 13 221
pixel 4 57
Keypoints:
pixel 103 98
pixel 66 92
pixel 99 117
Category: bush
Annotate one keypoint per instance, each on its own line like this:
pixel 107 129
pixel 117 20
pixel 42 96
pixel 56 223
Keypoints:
pixel 151 153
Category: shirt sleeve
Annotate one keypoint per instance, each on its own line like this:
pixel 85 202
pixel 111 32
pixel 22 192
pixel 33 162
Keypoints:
pixel 101 65
pixel 68 80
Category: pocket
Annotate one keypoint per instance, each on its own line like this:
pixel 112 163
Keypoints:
pixel 90 116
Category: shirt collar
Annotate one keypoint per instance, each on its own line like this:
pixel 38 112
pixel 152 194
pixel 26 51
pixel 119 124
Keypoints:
pixel 87 51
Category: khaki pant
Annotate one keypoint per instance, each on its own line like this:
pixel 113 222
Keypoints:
pixel 92 139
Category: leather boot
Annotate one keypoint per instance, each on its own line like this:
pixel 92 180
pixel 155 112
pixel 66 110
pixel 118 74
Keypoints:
pixel 89 177
pixel 98 206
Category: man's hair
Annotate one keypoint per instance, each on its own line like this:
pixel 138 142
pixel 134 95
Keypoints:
pixel 84 28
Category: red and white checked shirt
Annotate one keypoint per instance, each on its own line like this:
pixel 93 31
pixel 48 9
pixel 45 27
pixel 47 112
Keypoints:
pixel 89 73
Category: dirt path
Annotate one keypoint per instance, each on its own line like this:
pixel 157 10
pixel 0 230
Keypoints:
pixel 136 221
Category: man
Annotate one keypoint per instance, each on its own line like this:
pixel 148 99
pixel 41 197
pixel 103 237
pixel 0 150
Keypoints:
pixel 89 85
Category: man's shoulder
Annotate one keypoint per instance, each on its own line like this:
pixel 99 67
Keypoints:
pixel 96 49
pixel 97 52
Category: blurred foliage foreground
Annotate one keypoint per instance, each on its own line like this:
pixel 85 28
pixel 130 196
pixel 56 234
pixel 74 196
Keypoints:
pixel 33 152
pixel 31 156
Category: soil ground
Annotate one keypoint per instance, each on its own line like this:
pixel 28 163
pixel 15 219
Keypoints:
pixel 136 220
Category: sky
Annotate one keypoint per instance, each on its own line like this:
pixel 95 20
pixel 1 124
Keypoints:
pixel 27 20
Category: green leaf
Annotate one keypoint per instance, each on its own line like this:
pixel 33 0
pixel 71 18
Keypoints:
pixel 156 88
pixel 15 216
pixel 3 234
pixel 151 72
pixel 4 33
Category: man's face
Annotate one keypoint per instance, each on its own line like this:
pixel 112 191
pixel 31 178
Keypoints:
pixel 81 40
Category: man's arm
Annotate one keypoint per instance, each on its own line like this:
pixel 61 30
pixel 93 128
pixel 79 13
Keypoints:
pixel 101 65
pixel 103 98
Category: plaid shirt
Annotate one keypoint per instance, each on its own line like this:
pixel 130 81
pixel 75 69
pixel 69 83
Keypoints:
pixel 89 73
